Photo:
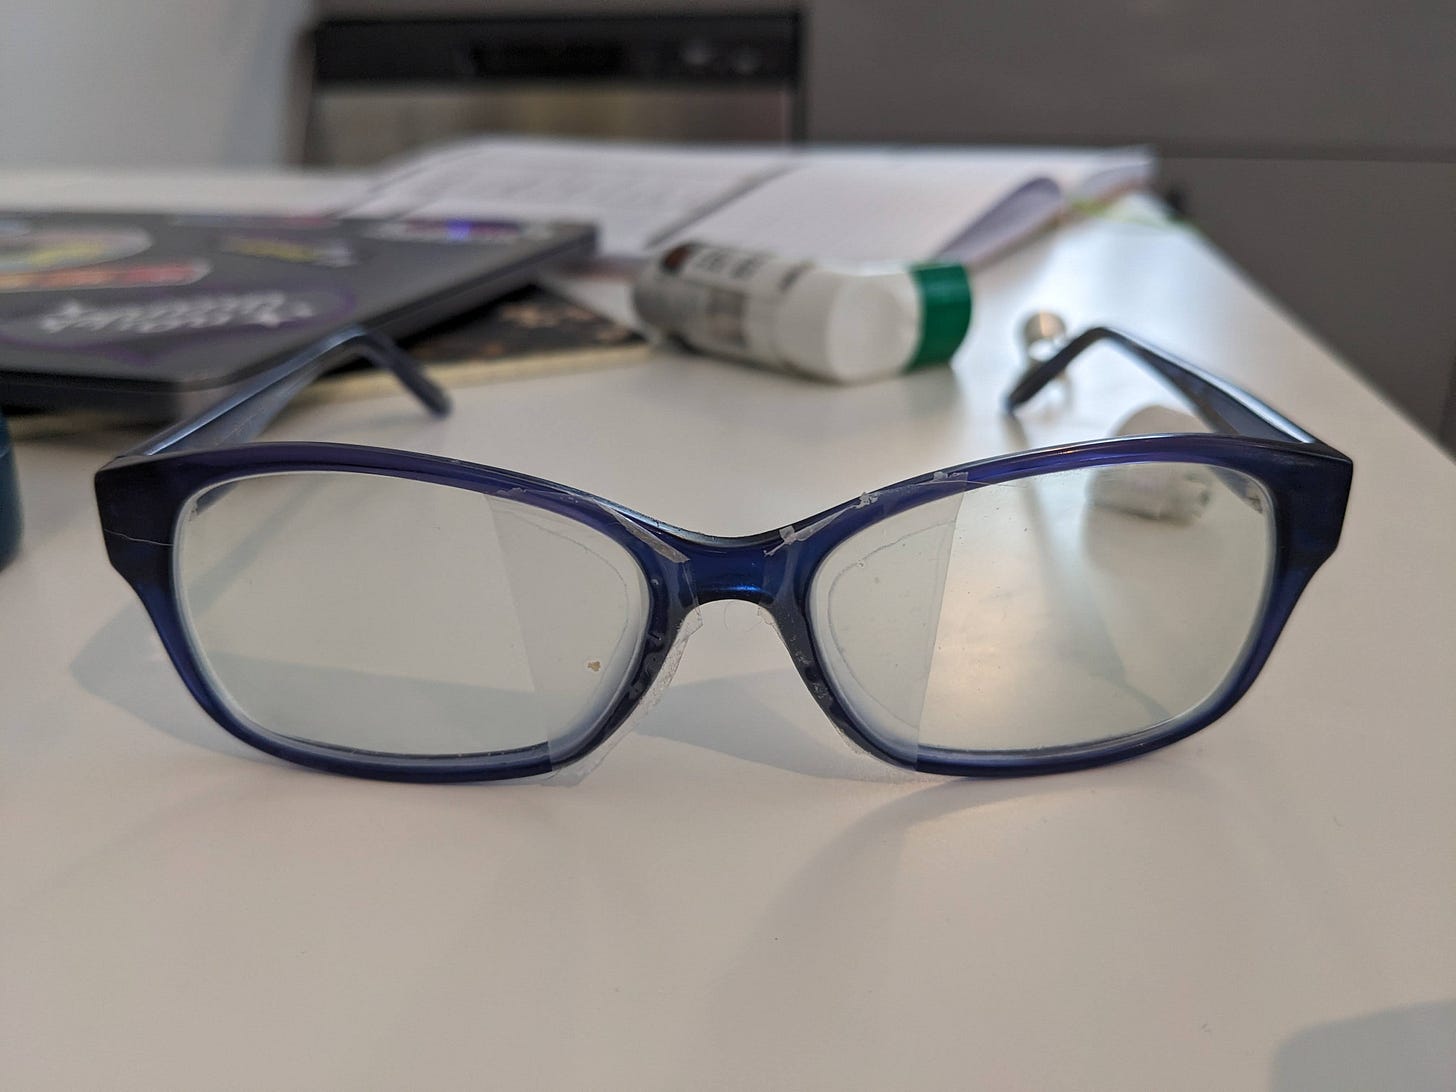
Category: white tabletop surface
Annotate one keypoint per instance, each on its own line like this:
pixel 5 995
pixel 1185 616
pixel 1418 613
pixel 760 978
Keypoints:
pixel 732 898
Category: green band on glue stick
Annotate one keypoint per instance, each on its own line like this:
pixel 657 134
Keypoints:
pixel 945 311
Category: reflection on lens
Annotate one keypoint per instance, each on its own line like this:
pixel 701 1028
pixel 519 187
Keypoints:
pixel 1049 612
pixel 398 617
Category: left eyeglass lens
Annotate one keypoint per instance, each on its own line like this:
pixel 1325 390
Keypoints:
pixel 378 614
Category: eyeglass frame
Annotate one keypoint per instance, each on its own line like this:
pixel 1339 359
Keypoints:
pixel 142 494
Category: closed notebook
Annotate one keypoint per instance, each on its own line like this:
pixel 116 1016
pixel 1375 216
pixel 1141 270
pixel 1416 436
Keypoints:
pixel 156 314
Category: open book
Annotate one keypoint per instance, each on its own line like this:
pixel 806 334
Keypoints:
pixel 829 205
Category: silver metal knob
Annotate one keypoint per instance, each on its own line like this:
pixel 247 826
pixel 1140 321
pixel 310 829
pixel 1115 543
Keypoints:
pixel 1042 334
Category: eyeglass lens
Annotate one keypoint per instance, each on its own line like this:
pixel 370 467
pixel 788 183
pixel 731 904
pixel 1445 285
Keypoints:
pixel 1051 611
pixel 379 614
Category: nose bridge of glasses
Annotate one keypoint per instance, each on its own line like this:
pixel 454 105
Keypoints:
pixel 736 568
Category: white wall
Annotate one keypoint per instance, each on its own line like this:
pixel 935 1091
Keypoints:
pixel 157 82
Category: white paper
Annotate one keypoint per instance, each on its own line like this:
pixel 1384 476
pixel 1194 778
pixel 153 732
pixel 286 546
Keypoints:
pixel 834 204
pixel 635 194
pixel 860 211
pixel 605 289
pixel 967 206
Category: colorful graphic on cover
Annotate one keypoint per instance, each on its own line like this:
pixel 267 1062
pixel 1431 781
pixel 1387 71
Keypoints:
pixel 26 249
pixel 216 298
pixel 161 274
pixel 245 222
pixel 328 253
pixel 456 231
pixel 76 324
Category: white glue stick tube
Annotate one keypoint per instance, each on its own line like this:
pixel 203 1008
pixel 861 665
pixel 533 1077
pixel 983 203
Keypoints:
pixel 846 325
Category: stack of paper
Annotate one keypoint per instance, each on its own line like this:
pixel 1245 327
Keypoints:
pixel 836 205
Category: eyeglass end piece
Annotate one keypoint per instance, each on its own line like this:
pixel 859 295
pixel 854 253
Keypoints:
pixel 436 399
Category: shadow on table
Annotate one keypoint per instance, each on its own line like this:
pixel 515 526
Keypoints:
pixel 833 922
pixel 739 716
pixel 125 664
pixel 1411 1048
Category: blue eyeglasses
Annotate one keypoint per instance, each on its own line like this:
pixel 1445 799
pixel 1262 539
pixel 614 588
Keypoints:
pixel 395 615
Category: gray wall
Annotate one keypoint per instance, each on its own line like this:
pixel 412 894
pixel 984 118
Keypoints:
pixel 132 82
pixel 1364 252
pixel 1236 76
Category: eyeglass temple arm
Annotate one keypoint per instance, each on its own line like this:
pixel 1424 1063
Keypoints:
pixel 1221 405
pixel 246 412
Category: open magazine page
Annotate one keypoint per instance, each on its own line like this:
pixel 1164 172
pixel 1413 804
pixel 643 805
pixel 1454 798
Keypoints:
pixel 872 207
pixel 835 204
pixel 1055 186
pixel 635 194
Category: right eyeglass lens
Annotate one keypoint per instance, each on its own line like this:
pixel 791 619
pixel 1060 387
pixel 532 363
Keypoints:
pixel 369 613
pixel 1049 612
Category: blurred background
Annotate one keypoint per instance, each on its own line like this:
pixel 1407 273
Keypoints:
pixel 1313 140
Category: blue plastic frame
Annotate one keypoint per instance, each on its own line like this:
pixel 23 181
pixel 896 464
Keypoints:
pixel 141 495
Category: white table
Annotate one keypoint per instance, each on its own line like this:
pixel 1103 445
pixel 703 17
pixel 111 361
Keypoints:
pixel 734 899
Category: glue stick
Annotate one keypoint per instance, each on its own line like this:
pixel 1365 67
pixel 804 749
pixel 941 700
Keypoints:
pixel 843 324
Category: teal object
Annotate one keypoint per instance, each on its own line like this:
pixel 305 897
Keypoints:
pixel 9 498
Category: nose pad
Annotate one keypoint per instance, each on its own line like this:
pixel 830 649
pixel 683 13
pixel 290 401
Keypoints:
pixel 572 774
pixel 741 616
